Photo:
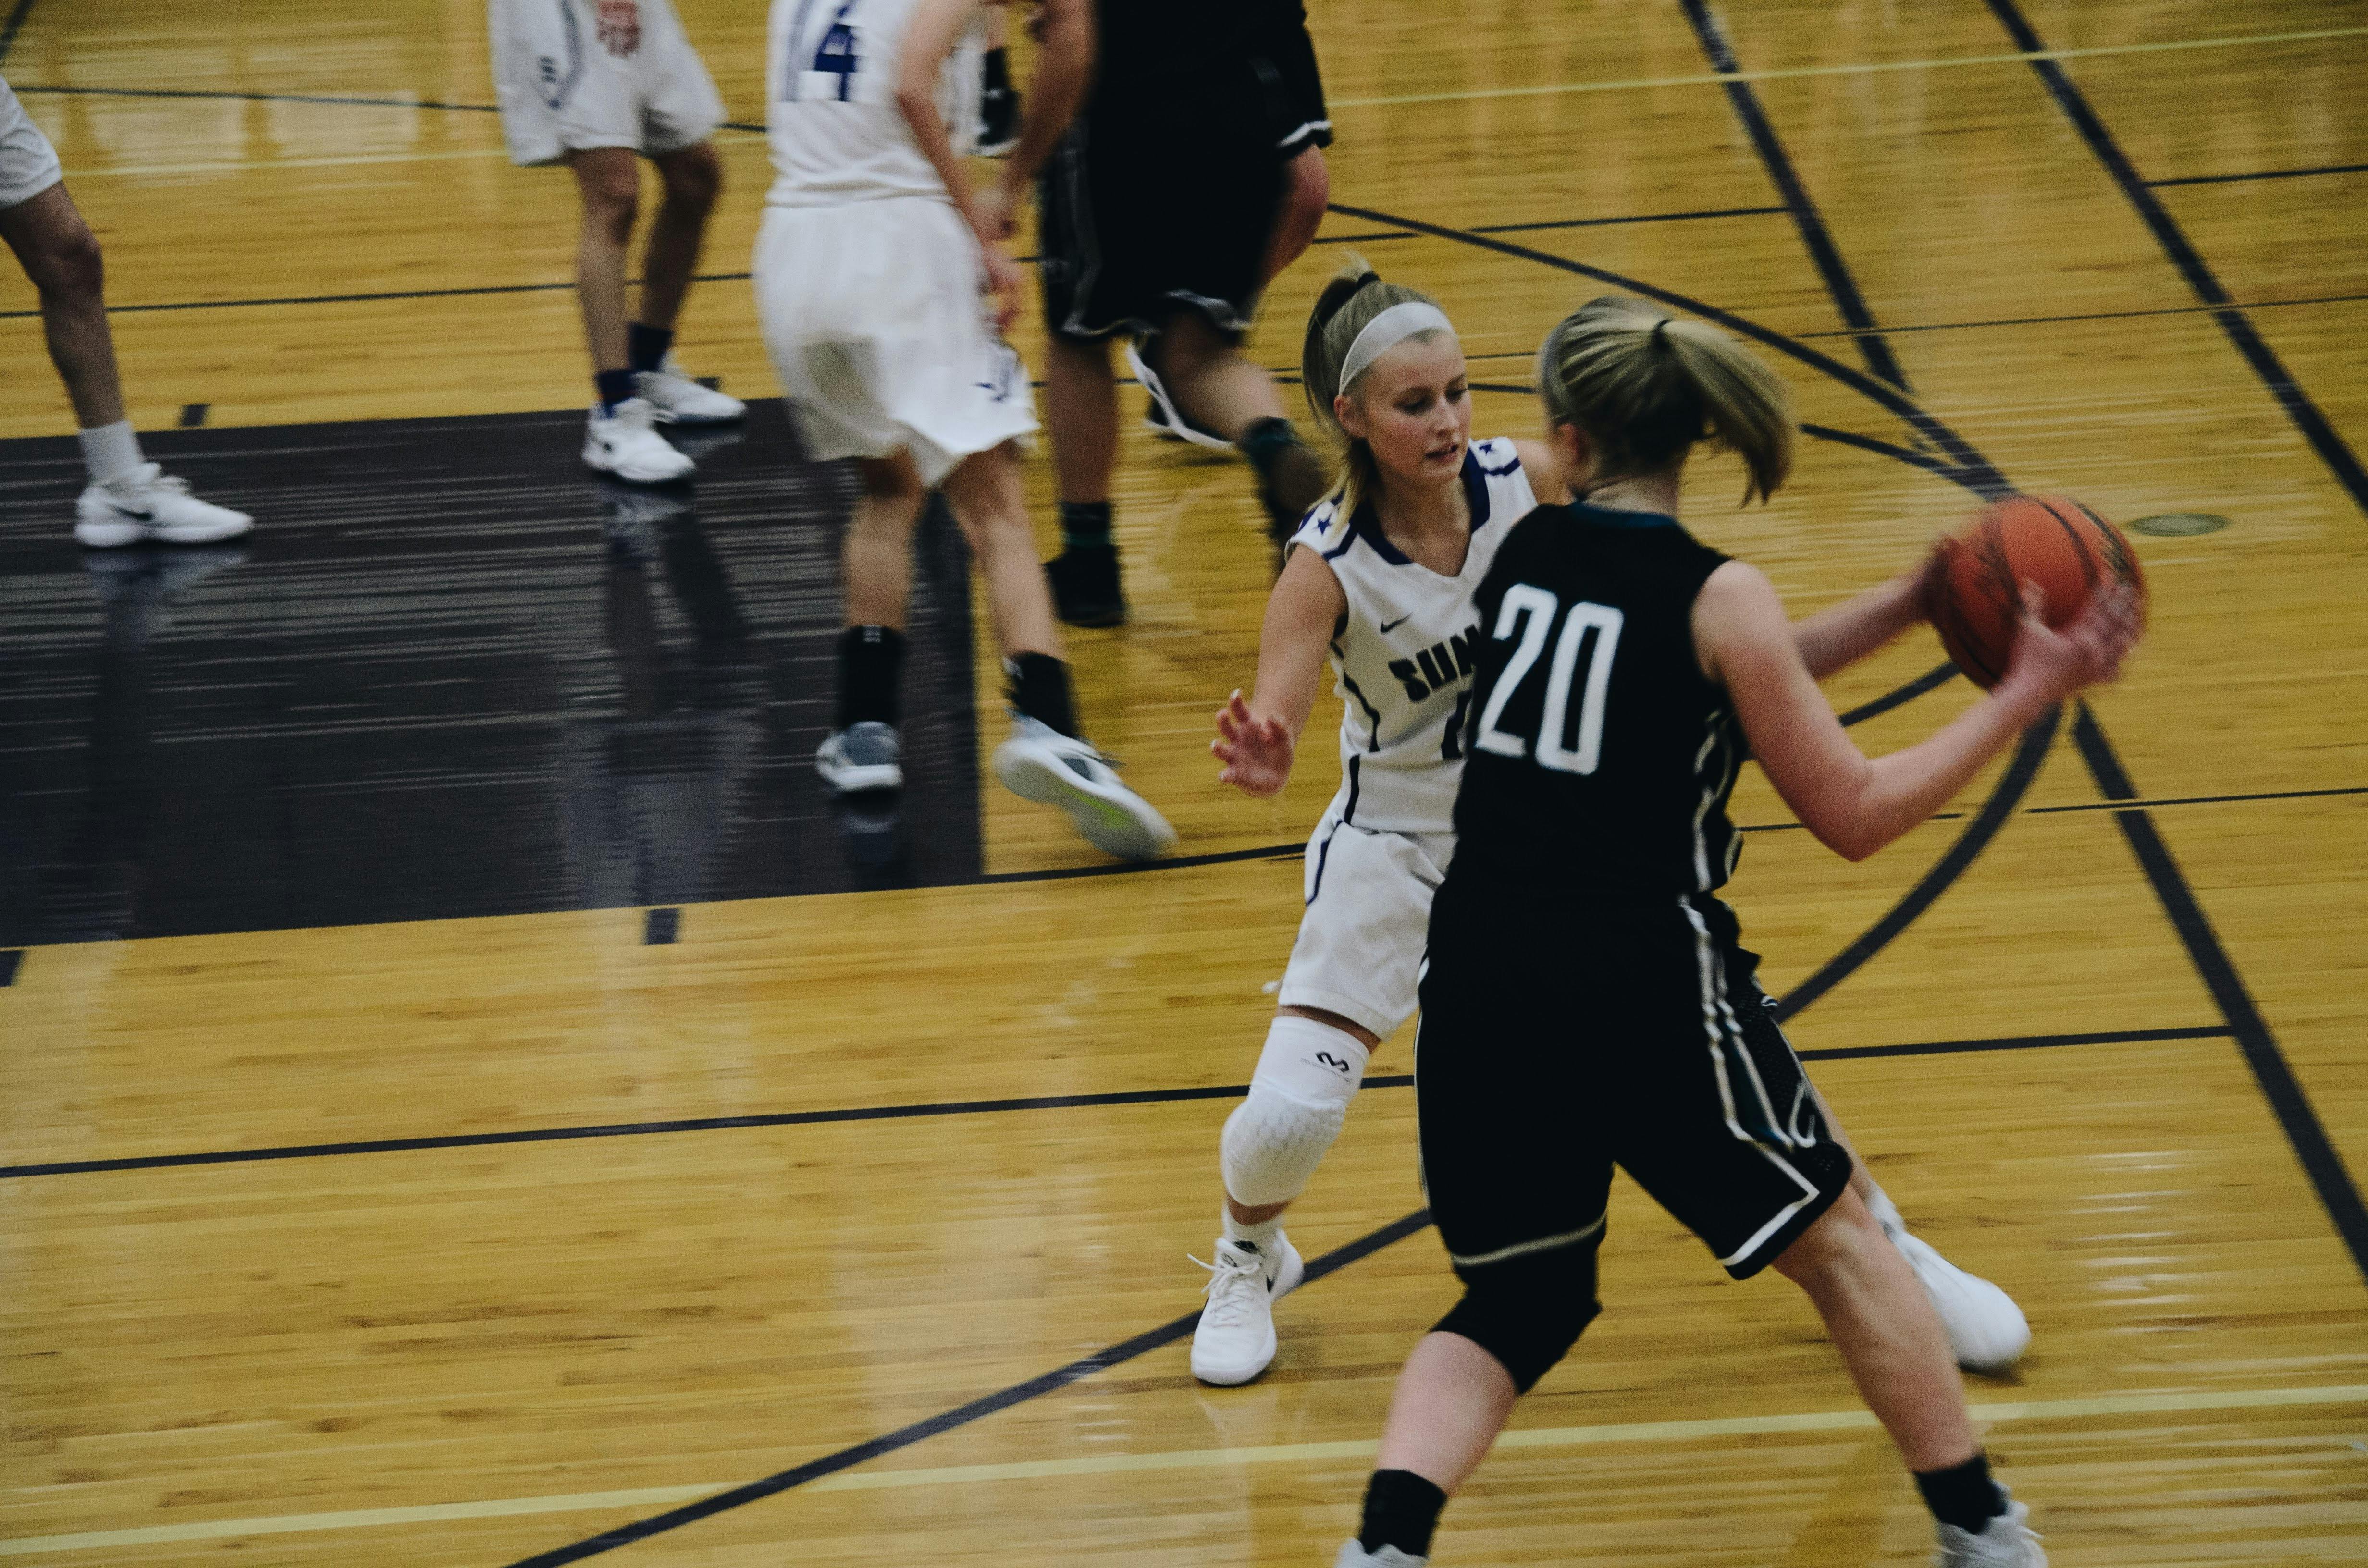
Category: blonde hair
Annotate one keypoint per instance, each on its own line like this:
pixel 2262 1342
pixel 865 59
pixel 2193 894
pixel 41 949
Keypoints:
pixel 1348 304
pixel 1646 387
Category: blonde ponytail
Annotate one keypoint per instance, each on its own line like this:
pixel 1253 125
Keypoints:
pixel 1348 304
pixel 1646 387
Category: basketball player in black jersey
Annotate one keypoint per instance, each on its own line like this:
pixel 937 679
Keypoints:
pixel 1587 1003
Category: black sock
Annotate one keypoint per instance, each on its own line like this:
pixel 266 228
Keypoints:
pixel 1401 1510
pixel 871 675
pixel 1265 440
pixel 998 71
pixel 647 347
pixel 613 386
pixel 1039 687
pixel 1085 525
pixel 1964 1494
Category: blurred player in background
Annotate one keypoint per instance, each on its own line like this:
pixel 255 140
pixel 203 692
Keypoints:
pixel 1193 176
pixel 592 84
pixel 128 499
pixel 869 267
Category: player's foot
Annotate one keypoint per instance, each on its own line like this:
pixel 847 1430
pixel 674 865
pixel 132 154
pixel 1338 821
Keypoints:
pixel 871 826
pixel 1986 1331
pixel 1086 588
pixel 2007 1541
pixel 625 442
pixel 1235 1339
pixel 675 399
pixel 1163 418
pixel 1355 1556
pixel 861 756
pixel 149 504
pixel 1038 763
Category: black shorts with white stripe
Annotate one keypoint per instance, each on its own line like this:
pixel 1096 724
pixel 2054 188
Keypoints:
pixel 1608 1029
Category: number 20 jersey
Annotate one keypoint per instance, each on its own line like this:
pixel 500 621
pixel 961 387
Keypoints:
pixel 831 117
pixel 1601 757
pixel 1404 651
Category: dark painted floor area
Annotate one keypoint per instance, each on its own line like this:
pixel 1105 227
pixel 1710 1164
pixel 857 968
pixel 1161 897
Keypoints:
pixel 452 672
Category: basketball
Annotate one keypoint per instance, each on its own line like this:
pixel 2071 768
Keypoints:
pixel 1973 594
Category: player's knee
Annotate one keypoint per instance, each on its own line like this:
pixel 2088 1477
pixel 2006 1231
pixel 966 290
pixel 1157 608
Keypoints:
pixel 613 201
pixel 887 479
pixel 1298 1102
pixel 1841 1236
pixel 694 179
pixel 1527 1312
pixel 1307 192
pixel 68 264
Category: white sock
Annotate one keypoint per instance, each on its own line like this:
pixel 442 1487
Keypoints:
pixel 1886 1212
pixel 110 452
pixel 1260 1236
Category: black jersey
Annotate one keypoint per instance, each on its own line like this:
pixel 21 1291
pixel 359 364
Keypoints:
pixel 1599 756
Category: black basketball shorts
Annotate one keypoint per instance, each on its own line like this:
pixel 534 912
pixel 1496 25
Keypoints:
pixel 1163 196
pixel 1556 1043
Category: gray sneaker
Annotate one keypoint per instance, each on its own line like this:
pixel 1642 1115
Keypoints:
pixel 1355 1556
pixel 861 756
pixel 2007 1541
pixel 1038 763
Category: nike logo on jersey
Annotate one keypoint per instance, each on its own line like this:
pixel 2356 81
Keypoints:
pixel 1390 626
pixel 1437 667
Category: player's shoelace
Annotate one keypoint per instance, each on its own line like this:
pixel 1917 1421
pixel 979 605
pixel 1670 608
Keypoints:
pixel 1234 1284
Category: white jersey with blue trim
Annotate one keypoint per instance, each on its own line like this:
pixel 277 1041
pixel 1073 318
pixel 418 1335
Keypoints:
pixel 1404 651
pixel 830 92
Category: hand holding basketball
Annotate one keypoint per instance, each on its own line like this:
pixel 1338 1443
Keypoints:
pixel 1256 751
pixel 2026 559
pixel 2087 652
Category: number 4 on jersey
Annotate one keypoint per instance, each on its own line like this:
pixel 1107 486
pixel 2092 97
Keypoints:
pixel 1534 610
pixel 834 56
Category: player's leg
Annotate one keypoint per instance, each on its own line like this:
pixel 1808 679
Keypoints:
pixel 621 437
pixel 692 178
pixel 128 499
pixel 863 750
pixel 1046 759
pixel 1350 984
pixel 1306 196
pixel 1081 407
pixel 1220 389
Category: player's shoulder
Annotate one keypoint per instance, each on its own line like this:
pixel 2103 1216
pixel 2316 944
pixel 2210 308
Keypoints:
pixel 1497 456
pixel 1325 528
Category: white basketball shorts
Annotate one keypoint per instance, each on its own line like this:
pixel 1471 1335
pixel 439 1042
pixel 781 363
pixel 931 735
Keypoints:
pixel 1361 943
pixel 564 90
pixel 29 165
pixel 873 314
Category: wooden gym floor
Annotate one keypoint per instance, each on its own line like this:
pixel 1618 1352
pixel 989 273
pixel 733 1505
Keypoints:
pixel 671 1223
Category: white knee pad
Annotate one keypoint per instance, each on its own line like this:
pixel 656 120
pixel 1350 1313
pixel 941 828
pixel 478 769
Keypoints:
pixel 1298 1096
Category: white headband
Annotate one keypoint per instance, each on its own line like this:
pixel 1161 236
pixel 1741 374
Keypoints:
pixel 1387 330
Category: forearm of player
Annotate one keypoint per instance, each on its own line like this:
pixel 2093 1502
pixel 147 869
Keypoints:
pixel 1064 67
pixel 1841 635
pixel 929 38
pixel 1301 614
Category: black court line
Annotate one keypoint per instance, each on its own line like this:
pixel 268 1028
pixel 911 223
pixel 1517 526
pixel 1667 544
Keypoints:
pixel 9 30
pixel 2260 174
pixel 1129 868
pixel 193 415
pixel 11 961
pixel 2205 800
pixel 661 927
pixel 1355 238
pixel 2287 1101
pixel 944 1108
pixel 906 1437
pixel 1639 217
pixel 2011 787
pixel 1930 680
pixel 2113 315
pixel 2322 435
pixel 1831 267
pixel 241 98
pixel 366 299
pixel 1887 449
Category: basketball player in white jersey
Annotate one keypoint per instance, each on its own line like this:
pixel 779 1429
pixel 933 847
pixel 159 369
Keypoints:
pixel 869 267
pixel 1380 577
pixel 593 83
pixel 128 499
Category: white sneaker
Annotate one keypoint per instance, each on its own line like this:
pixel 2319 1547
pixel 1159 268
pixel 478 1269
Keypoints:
pixel 149 504
pixel 626 443
pixel 1234 1340
pixel 1164 418
pixel 1986 1331
pixel 675 399
pixel 2007 1541
pixel 1038 763
pixel 1355 1556
pixel 861 756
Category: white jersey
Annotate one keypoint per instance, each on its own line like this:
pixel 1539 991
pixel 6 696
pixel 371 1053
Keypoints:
pixel 1405 651
pixel 831 115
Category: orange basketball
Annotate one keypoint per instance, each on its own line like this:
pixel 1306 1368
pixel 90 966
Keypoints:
pixel 1973 595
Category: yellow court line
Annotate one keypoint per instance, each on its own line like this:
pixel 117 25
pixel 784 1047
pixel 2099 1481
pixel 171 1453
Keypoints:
pixel 1189 1459
pixel 1789 73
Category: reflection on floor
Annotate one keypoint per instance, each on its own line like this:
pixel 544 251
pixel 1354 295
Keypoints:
pixel 450 673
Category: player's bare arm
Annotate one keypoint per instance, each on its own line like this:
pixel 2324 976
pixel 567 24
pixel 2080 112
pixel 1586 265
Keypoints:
pixel 929 37
pixel 1841 635
pixel 1257 740
pixel 1063 31
pixel 1538 460
pixel 1854 805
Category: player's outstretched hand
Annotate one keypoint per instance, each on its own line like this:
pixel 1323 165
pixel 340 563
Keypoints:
pixel 1004 283
pixel 2085 653
pixel 1256 751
